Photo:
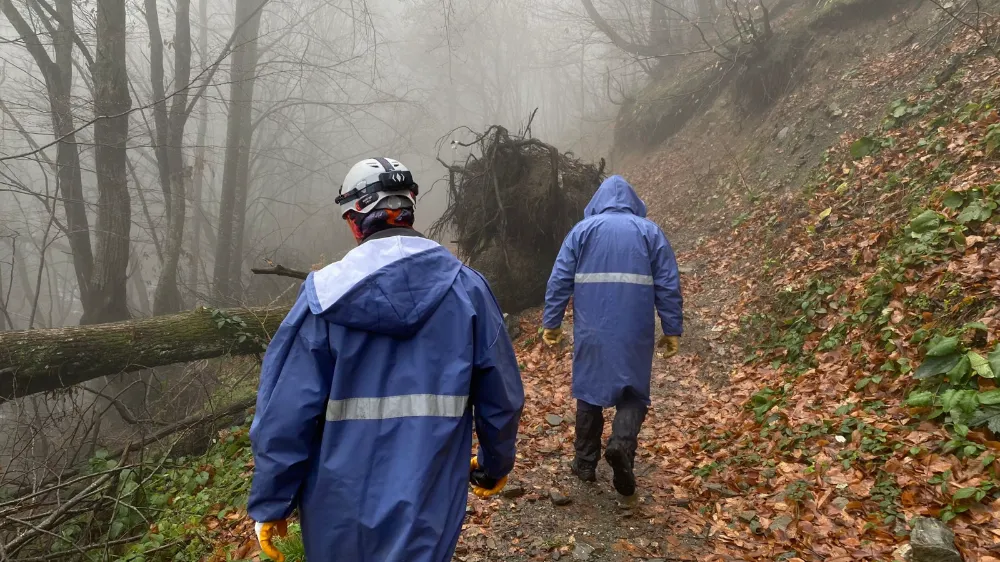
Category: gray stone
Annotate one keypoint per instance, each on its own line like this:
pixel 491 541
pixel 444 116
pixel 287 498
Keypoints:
pixel 553 419
pixel 582 551
pixel 558 498
pixel 513 324
pixel 783 134
pixel 512 492
pixel 932 541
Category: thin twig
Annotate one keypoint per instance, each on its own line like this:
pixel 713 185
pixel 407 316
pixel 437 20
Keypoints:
pixel 64 554
pixel 49 521
pixel 182 425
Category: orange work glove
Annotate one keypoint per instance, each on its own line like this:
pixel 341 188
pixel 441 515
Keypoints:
pixel 265 536
pixel 484 486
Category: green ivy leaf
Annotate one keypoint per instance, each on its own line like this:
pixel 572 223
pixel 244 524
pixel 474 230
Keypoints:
pixel 863 147
pixel 994 359
pixel 989 416
pixel 989 397
pixel 980 365
pixel 959 403
pixel 960 373
pixel 117 528
pixel 964 493
pixel 925 222
pixel 940 347
pixel 922 398
pixel 936 366
pixel 975 326
pixel 953 200
pixel 978 210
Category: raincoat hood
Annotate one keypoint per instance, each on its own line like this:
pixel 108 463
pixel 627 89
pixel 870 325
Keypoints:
pixel 615 194
pixel 387 286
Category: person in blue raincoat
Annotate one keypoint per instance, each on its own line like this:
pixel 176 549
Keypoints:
pixel 618 266
pixel 370 389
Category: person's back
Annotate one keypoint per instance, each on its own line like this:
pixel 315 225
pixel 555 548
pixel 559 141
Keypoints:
pixel 614 267
pixel 368 397
pixel 618 267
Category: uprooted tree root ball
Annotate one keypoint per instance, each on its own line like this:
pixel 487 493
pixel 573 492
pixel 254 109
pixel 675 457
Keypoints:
pixel 509 208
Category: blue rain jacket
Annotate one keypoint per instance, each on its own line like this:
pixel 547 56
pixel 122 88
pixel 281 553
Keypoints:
pixel 368 395
pixel 617 266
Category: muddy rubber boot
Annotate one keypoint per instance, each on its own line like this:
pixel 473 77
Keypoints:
pixel 589 426
pixel 624 479
pixel 585 473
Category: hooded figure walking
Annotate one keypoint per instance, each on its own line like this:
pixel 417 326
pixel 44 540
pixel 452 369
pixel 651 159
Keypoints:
pixel 371 386
pixel 618 266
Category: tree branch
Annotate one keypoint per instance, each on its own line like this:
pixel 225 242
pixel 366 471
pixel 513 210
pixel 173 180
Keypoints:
pixel 186 423
pixel 84 50
pixel 280 271
pixel 6 5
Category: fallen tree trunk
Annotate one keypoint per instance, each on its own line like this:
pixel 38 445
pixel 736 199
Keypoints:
pixel 44 360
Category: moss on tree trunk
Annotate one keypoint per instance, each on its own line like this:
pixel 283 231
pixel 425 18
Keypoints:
pixel 43 360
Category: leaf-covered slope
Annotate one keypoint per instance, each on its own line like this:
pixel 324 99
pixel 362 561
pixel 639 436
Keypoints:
pixel 885 289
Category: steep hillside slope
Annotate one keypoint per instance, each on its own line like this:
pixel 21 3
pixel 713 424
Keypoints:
pixel 846 312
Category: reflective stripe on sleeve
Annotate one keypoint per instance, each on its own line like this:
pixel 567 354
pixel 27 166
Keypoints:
pixel 631 278
pixel 405 406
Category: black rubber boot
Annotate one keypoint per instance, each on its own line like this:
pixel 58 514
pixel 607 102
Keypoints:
pixel 620 453
pixel 584 472
pixel 624 479
pixel 589 426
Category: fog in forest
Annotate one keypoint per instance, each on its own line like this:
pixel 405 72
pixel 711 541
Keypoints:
pixel 822 174
pixel 333 82
pixel 153 152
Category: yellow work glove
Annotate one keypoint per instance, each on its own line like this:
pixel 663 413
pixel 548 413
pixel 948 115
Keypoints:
pixel 265 536
pixel 484 486
pixel 670 345
pixel 552 336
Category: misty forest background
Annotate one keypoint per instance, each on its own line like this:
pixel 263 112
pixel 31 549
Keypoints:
pixel 154 153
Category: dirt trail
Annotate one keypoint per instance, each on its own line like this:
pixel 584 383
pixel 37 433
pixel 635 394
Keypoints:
pixel 699 186
pixel 597 524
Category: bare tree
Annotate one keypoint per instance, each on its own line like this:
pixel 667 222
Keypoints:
pixel 114 214
pixel 58 75
pixel 167 298
pixel 239 135
pixel 748 24
pixel 199 160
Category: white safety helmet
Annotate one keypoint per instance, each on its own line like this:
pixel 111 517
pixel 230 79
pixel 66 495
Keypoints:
pixel 377 183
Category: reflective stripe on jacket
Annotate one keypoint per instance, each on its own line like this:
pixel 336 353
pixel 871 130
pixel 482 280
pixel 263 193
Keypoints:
pixel 618 267
pixel 368 396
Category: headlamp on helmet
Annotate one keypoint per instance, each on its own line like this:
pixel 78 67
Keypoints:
pixel 372 181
